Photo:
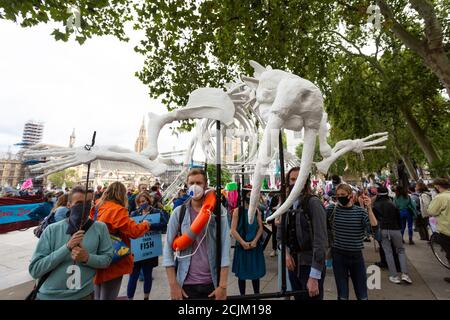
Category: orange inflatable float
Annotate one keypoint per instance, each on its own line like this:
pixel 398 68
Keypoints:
pixel 185 240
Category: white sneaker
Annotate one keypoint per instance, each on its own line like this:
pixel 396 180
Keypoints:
pixel 406 278
pixel 395 279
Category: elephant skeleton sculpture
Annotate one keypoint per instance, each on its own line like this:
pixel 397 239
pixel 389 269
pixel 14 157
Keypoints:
pixel 276 99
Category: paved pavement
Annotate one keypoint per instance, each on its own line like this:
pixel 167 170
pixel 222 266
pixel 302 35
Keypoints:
pixel 427 274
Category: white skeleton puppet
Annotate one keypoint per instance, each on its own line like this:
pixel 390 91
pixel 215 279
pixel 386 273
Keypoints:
pixel 62 158
pixel 278 100
pixel 203 103
pixel 288 101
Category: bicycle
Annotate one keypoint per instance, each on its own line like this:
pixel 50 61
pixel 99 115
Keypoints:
pixel 438 250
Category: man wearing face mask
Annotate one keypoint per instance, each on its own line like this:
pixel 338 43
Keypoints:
pixel 440 208
pixel 348 225
pixel 194 274
pixel 74 239
pixel 306 240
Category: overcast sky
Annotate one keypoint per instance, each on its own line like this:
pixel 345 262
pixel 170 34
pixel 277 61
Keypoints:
pixel 65 85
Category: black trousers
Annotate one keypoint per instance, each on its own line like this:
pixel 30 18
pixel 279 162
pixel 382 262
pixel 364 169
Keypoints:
pixel 198 291
pixel 299 279
pixel 274 235
pixel 422 227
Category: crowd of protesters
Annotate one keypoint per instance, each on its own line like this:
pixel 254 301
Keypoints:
pixel 326 225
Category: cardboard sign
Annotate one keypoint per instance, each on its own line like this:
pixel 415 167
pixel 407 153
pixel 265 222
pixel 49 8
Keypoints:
pixel 150 245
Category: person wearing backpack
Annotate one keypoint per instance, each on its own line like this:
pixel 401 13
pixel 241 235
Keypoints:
pixel 348 225
pixel 422 217
pixel 68 254
pixel 307 242
pixel 61 210
pixel 112 210
pixel 43 210
pixel 407 209
pixel 248 261
pixel 193 274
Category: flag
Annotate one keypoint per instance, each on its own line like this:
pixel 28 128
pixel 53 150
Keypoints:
pixel 27 184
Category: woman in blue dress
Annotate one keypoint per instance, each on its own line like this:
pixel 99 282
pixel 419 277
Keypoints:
pixel 248 262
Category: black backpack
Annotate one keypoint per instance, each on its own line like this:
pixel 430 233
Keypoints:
pixel 300 240
pixel 48 220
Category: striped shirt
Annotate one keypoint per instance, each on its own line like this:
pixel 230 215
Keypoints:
pixel 350 227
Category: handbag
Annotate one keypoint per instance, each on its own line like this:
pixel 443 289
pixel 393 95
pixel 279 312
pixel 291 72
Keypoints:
pixel 33 294
pixel 120 248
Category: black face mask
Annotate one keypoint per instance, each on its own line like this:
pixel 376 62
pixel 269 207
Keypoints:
pixel 343 200
pixel 247 200
pixel 76 217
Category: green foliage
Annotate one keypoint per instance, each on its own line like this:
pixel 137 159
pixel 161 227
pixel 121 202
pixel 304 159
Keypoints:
pixel 369 78
pixel 317 156
pixel 212 175
pixel 441 168
pixel 68 176
pixel 99 17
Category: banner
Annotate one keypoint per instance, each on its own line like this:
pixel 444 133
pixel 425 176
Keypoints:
pixel 150 245
pixel 16 213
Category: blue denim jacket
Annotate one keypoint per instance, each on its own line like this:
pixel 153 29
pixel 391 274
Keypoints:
pixel 183 264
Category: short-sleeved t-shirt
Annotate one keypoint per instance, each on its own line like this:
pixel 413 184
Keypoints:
pixel 199 270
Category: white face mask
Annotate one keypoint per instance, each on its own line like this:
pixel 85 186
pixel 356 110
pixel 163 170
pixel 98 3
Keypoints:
pixel 195 192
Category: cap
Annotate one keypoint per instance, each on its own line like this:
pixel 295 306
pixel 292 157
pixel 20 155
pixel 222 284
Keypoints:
pixel 382 191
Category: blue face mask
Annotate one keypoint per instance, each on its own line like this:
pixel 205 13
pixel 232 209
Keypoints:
pixel 144 206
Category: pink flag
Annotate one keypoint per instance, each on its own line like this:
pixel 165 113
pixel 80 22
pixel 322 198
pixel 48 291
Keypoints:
pixel 27 184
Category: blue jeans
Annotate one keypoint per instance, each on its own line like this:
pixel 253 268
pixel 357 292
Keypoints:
pixel 147 269
pixel 351 263
pixel 407 218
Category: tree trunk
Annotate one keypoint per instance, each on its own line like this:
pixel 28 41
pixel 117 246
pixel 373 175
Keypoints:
pixel 440 66
pixel 431 48
pixel 422 140
pixel 409 165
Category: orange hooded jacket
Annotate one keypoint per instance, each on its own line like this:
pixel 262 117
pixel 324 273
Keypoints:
pixel 118 222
